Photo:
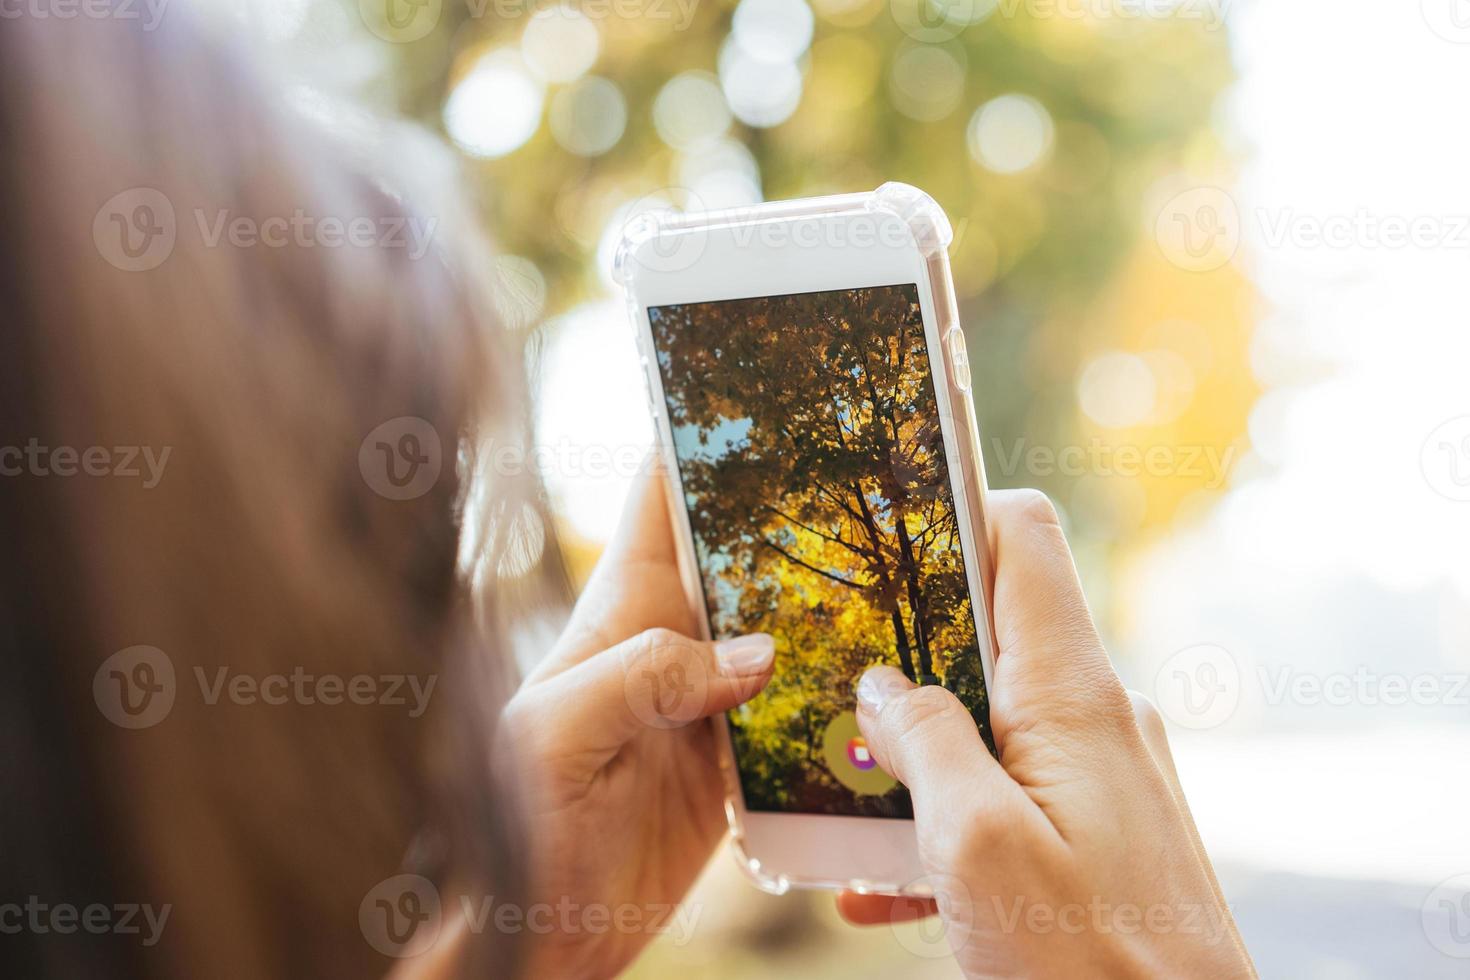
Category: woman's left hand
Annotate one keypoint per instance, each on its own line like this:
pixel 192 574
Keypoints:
pixel 611 732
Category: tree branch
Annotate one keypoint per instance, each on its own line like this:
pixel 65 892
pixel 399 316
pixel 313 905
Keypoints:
pixel 809 567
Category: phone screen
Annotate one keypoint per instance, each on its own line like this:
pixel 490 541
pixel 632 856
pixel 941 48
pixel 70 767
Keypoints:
pixel 809 445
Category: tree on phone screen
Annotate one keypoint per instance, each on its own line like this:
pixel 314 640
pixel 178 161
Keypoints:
pixel 813 464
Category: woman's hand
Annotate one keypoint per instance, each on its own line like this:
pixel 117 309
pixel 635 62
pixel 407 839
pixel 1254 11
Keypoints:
pixel 1075 854
pixel 626 793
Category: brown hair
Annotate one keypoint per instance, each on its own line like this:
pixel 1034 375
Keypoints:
pixel 266 547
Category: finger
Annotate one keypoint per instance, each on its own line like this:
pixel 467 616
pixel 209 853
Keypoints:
pixel 1151 725
pixel 926 739
pixel 643 532
pixel 1052 671
pixel 656 680
pixel 635 584
pixel 882 910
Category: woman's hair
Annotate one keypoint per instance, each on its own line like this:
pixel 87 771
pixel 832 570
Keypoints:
pixel 229 570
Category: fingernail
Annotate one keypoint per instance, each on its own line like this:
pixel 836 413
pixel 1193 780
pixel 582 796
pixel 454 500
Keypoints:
pixel 750 654
pixel 869 691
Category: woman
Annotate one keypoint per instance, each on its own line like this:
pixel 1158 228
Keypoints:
pixel 205 718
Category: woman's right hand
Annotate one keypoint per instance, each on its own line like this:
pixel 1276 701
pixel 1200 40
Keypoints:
pixel 1075 854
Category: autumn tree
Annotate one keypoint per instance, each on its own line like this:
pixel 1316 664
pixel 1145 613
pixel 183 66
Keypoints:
pixel 813 466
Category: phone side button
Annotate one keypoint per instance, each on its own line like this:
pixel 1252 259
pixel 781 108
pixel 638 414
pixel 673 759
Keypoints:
pixel 959 358
pixel 648 386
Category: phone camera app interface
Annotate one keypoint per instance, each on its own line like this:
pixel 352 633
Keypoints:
pixel 811 454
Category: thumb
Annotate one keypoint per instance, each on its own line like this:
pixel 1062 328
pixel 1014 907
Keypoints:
pixel 1055 687
pixel 658 680
pixel 926 739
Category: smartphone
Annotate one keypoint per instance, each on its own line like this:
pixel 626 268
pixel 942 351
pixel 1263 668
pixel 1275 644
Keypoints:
pixel 808 378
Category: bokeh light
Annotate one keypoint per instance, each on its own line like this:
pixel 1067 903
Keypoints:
pixel 1010 133
pixel 758 63
pixel 927 80
pixel 560 43
pixel 1052 134
pixel 496 108
pixel 761 93
pixel 721 174
pixel 1117 390
pixel 773 30
pixel 588 117
pixel 690 109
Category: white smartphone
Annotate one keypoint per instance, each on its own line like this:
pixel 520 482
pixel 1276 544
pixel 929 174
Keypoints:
pixel 808 377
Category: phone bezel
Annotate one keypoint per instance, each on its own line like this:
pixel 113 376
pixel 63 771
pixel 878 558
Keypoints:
pixel 803 253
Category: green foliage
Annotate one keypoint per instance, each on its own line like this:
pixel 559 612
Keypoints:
pixel 1053 264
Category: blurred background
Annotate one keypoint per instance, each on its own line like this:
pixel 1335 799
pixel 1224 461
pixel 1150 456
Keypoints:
pixel 1213 260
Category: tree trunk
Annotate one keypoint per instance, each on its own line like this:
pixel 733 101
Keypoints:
pixel 918 602
pixel 901 640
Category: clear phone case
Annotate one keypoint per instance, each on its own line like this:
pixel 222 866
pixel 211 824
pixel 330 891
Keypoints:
pixel 932 236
